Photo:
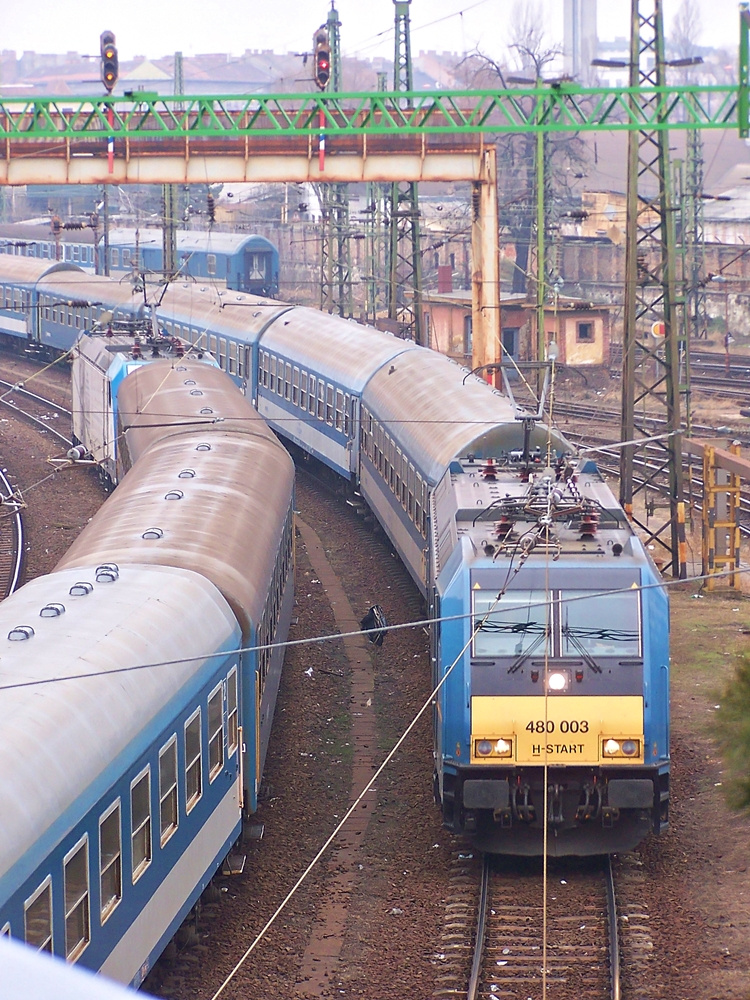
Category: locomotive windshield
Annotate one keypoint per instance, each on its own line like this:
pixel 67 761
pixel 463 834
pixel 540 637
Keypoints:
pixel 600 624
pixel 577 622
pixel 512 625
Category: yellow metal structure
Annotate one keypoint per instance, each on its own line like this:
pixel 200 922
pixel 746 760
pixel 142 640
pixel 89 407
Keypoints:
pixel 721 520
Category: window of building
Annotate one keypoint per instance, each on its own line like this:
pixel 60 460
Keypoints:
pixel 193 779
pixel 140 823
pixel 232 712
pixel 76 876
pixel 215 732
pixel 585 332
pixel 37 918
pixel 110 860
pixel 168 813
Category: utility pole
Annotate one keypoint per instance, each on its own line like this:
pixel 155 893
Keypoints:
pixel 653 336
pixel 170 194
pixel 377 197
pixel 336 261
pixel 405 270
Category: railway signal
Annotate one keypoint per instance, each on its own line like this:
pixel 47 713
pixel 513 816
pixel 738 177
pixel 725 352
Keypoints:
pixel 322 58
pixel 110 64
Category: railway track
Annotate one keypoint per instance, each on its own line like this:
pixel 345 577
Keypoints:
pixel 510 933
pixel 11 537
pixel 44 413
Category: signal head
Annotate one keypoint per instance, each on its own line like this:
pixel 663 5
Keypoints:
pixel 110 63
pixel 322 58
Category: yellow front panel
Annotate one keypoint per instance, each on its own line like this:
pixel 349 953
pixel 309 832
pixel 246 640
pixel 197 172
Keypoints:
pixel 565 730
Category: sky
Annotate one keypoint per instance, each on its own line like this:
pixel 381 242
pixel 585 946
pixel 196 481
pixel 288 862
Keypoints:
pixel 155 28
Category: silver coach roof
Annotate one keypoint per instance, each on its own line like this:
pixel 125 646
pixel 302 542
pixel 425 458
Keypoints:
pixel 438 411
pixel 58 736
pixel 342 350
pixel 233 499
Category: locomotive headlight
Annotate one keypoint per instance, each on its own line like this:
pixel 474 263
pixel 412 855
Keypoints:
pixel 558 681
pixel 621 748
pixel 493 748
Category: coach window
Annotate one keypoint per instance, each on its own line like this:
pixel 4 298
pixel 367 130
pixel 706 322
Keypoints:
pixel 232 713
pixel 295 386
pixel 287 381
pixel 140 823
pixel 76 874
pixel 37 918
pixel 321 400
pixel 215 732
pixel 232 357
pixel 339 410
pixel 222 353
pixel 168 814
pixel 110 860
pixel 311 397
pixel 303 390
pixel 8 297
pixel 211 263
pixel 114 258
pixel 193 776
pixel 329 405
pixel 76 253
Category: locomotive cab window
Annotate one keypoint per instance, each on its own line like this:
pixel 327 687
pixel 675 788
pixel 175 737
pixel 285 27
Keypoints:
pixel 601 624
pixel 515 625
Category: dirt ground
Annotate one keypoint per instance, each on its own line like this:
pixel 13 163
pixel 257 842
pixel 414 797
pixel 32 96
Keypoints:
pixel 709 631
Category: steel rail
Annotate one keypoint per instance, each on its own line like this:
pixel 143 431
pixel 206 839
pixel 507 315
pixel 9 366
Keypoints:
pixel 11 503
pixel 476 963
pixel 614 937
pixel 561 107
pixel 43 424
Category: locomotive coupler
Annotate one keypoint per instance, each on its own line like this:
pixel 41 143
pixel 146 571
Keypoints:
pixel 523 810
pixel 591 805
pixel 555 810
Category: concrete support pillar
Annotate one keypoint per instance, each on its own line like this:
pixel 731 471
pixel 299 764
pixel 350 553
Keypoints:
pixel 485 264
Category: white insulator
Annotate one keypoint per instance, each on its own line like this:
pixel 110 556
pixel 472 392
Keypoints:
pixel 77 453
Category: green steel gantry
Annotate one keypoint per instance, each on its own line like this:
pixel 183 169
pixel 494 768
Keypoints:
pixel 335 255
pixel 405 260
pixel 405 136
